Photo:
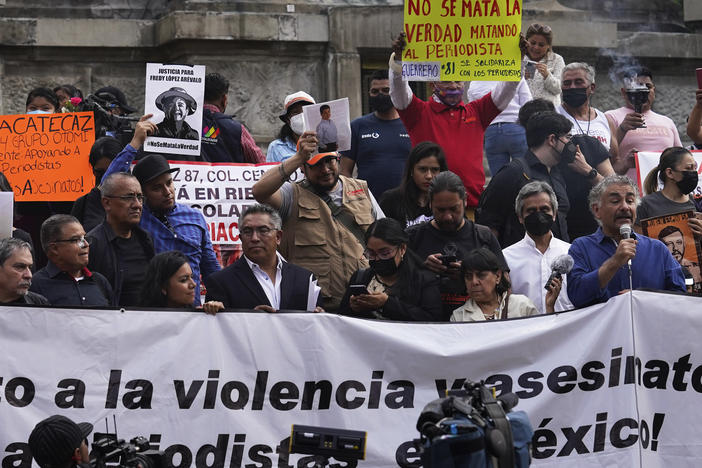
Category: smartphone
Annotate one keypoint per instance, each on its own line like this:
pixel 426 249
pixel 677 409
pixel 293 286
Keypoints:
pixel 699 78
pixel 448 259
pixel 529 69
pixel 358 289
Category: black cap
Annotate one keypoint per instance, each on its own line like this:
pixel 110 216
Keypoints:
pixel 174 93
pixel 115 96
pixel 53 440
pixel 150 167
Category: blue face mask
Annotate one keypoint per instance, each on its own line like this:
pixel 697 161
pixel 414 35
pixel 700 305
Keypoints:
pixel 39 111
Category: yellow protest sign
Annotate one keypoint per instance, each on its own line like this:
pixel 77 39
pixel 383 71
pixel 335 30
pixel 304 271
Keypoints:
pixel 45 156
pixel 462 40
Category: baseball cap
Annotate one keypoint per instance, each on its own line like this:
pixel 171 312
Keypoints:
pixel 115 95
pixel 320 156
pixel 294 98
pixel 54 439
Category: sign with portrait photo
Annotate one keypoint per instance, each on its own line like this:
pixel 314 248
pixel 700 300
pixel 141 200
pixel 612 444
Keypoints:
pixel 674 231
pixel 331 122
pixel 174 95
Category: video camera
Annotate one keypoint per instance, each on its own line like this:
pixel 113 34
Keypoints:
pixel 105 121
pixel 472 428
pixel 109 450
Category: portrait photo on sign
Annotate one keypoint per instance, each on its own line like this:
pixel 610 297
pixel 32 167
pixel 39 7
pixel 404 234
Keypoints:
pixel 174 95
pixel 331 122
pixel 674 231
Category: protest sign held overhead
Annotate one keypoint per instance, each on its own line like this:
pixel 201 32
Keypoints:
pixel 331 122
pixel 462 40
pixel 174 95
pixel 45 156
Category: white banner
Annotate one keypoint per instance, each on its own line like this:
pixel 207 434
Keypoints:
pixel 646 161
pixel 604 386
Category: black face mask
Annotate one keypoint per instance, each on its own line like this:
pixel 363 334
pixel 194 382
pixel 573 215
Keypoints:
pixel 380 103
pixel 568 153
pixel 575 97
pixel 688 182
pixel 538 223
pixel 384 267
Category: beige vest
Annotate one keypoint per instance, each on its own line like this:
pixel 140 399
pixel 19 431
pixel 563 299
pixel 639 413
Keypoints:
pixel 313 239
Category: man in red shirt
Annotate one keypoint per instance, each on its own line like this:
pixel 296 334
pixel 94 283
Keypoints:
pixel 446 120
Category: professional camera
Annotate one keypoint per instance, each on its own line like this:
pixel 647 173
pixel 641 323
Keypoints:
pixel 108 450
pixel 472 428
pixel 118 125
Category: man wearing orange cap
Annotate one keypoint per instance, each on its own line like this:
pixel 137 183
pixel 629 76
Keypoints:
pixel 325 216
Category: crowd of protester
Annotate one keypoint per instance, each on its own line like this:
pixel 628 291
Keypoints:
pixel 439 245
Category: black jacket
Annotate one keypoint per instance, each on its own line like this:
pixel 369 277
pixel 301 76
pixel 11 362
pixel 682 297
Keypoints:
pixel 88 209
pixel 424 304
pixel 103 257
pixel 221 138
pixel 237 288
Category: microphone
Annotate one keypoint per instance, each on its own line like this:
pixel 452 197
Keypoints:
pixel 560 266
pixel 625 232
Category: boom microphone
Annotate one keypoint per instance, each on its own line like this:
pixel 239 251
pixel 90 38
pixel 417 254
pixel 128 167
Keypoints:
pixel 560 266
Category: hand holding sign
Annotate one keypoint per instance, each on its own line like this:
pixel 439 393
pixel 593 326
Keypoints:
pixel 144 128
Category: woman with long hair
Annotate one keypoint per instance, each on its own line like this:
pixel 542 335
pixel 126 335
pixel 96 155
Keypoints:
pixel 544 68
pixel 677 171
pixel 168 282
pixel 488 287
pixel 396 286
pixel 409 203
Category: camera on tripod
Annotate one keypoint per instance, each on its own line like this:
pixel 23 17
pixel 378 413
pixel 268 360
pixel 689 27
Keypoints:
pixel 472 428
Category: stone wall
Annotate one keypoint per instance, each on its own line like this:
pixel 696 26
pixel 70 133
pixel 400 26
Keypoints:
pixel 271 48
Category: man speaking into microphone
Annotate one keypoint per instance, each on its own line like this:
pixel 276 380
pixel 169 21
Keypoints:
pixel 613 259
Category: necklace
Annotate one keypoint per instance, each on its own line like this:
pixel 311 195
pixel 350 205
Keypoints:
pixel 589 119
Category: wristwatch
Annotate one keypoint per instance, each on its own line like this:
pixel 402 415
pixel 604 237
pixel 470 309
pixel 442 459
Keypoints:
pixel 592 174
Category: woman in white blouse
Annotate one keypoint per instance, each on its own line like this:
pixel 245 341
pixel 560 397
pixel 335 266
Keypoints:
pixel 543 74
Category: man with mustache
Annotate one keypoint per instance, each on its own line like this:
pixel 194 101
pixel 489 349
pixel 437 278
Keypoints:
pixel 172 226
pixel 445 241
pixel 673 238
pixel 176 104
pixel 119 248
pixel 324 216
pixel 602 268
pixel 16 273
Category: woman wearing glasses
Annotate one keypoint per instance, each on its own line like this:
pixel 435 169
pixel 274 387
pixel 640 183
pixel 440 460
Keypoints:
pixel 544 66
pixel 396 286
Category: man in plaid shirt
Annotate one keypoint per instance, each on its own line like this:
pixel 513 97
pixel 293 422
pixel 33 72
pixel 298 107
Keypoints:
pixel 172 226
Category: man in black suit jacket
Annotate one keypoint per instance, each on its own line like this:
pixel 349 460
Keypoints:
pixel 261 279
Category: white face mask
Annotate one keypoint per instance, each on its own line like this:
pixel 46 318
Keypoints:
pixel 39 111
pixel 297 124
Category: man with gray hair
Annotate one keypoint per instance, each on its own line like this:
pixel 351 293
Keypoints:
pixel 612 261
pixel 66 279
pixel 16 273
pixel 530 259
pixel 261 279
pixel 119 248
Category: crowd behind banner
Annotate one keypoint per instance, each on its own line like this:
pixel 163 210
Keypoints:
pixel 180 208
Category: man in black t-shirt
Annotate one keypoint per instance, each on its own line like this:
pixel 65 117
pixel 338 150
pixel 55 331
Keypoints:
pixel 444 241
pixel 119 248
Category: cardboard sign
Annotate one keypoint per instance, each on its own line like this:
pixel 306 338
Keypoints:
pixel 45 156
pixel 174 95
pixel 674 231
pixel 462 40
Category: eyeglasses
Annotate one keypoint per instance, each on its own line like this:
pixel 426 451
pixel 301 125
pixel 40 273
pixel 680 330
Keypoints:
pixel 81 241
pixel 262 231
pixel 128 198
pixel 537 28
pixel 383 254
pixel 376 91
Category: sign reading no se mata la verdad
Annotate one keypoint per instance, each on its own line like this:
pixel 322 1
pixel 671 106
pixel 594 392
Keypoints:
pixel 462 40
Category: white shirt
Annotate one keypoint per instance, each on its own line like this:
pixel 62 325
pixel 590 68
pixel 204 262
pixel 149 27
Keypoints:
pixel 272 286
pixel 529 270
pixel 478 89
pixel 597 127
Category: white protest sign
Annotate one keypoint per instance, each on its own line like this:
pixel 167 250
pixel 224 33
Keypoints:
pixel 175 95
pixel 332 123
pixel 7 213
pixel 616 384
pixel 646 161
